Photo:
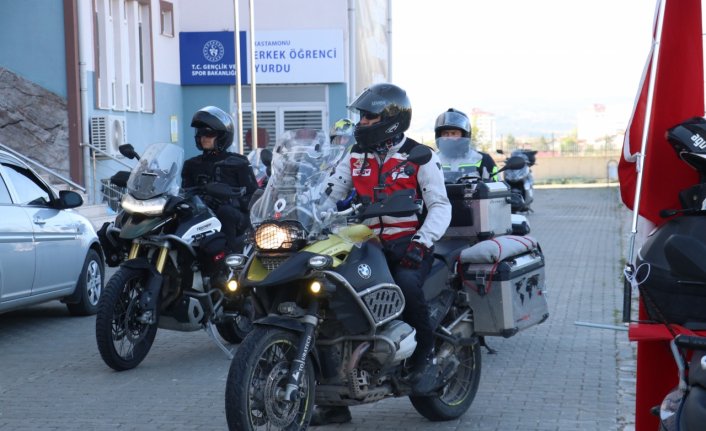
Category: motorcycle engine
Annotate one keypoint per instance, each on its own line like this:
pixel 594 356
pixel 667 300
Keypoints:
pixel 401 335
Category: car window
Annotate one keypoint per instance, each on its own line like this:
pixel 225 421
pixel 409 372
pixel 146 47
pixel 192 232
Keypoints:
pixel 4 193
pixel 27 186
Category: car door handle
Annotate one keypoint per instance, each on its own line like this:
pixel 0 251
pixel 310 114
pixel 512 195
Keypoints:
pixel 39 221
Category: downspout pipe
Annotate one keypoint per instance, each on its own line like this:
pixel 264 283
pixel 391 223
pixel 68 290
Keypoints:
pixel 85 33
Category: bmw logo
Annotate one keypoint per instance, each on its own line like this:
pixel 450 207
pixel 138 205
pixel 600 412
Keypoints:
pixel 364 271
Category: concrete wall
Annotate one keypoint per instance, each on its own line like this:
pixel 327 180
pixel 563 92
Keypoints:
pixel 585 168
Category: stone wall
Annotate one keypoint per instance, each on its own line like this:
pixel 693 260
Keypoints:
pixel 34 122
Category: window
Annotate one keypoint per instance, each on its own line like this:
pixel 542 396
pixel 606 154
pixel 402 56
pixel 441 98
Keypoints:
pixel 27 186
pixel 166 10
pixel 123 38
pixel 278 120
pixel 4 193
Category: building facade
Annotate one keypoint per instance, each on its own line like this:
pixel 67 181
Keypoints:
pixel 135 71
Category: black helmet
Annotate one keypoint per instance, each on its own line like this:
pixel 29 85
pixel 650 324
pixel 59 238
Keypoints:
pixel 210 119
pixel 392 104
pixel 688 139
pixel 453 119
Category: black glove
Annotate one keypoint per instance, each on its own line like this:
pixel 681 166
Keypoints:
pixel 414 255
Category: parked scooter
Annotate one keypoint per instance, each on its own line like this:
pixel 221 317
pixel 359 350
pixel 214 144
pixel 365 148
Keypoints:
pixel 170 251
pixel 332 335
pixel 684 408
pixel 521 181
pixel 671 274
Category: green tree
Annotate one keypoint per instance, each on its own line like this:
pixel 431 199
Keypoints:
pixel 569 143
pixel 511 142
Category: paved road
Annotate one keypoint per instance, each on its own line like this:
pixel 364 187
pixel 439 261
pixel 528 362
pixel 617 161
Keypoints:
pixel 556 376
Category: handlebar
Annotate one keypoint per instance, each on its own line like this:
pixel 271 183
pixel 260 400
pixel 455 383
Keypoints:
pixel 353 209
pixel 693 342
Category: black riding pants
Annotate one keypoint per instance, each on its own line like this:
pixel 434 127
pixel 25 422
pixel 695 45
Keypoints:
pixel 416 312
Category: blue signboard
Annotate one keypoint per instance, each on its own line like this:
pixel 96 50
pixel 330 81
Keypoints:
pixel 208 58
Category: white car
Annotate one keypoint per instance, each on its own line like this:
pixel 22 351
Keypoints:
pixel 47 250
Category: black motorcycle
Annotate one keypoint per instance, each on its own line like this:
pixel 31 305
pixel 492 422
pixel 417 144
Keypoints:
pixel 670 272
pixel 172 272
pixel 684 408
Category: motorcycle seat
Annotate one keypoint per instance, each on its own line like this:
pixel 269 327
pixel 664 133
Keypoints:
pixel 449 250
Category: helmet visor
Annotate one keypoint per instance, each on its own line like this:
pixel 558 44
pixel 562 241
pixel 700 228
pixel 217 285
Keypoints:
pixel 453 148
pixel 207 132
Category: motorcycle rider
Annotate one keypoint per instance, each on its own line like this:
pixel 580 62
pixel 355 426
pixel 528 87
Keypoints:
pixel 456 152
pixel 342 133
pixel 213 136
pixel 381 146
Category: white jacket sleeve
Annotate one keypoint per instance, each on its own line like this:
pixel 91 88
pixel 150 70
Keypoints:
pixel 340 182
pixel 431 183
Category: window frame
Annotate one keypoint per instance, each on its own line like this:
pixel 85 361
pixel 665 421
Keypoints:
pixel 124 59
pixel 166 13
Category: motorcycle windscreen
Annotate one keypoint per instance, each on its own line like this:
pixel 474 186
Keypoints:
pixel 302 161
pixel 158 172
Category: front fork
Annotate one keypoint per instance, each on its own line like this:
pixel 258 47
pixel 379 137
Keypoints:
pixel 148 301
pixel 296 371
pixel 161 258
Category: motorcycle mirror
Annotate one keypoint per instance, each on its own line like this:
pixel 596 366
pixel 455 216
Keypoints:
pixel 266 157
pixel 128 151
pixel 499 151
pixel 419 155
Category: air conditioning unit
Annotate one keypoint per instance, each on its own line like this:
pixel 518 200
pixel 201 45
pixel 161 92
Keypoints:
pixel 107 134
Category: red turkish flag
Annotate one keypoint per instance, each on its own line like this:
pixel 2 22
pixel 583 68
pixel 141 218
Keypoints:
pixel 678 95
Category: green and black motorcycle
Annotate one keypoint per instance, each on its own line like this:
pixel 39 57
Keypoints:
pixel 332 334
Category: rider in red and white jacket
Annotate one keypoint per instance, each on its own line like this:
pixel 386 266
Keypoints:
pixel 375 163
pixel 364 170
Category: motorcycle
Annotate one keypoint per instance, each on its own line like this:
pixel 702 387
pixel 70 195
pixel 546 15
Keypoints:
pixel 332 333
pixel 480 197
pixel 521 181
pixel 671 275
pixel 170 253
pixel 684 408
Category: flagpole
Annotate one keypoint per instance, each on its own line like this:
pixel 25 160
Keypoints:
pixel 639 165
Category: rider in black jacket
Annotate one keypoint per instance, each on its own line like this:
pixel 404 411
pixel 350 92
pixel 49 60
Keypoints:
pixel 214 134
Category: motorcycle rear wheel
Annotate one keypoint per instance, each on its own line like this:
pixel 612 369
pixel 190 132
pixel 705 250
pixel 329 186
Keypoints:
pixel 458 394
pixel 123 341
pixel 257 379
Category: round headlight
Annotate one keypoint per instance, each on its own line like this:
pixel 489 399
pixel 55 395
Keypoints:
pixel 270 237
pixel 276 236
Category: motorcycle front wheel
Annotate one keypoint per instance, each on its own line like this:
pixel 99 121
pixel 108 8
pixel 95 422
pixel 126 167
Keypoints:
pixel 458 394
pixel 123 340
pixel 257 380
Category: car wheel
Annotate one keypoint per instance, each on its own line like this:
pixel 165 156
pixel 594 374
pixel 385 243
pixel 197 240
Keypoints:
pixel 89 286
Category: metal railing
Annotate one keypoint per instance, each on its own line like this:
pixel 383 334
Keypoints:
pixel 109 192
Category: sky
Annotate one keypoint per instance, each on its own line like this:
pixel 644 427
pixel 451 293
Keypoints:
pixel 534 64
